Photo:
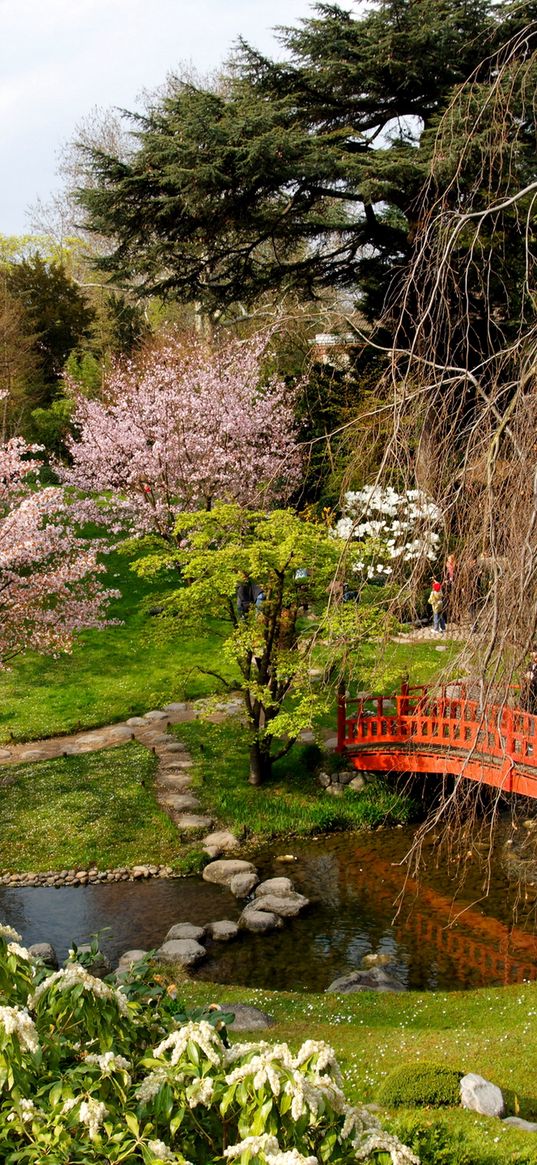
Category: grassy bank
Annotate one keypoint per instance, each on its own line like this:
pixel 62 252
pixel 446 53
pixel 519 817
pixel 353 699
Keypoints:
pixel 490 1032
pixel 112 674
pixel 291 803
pixel 96 809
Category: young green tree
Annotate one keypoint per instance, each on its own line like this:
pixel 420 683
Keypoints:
pixel 247 570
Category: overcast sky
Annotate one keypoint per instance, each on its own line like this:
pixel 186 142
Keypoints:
pixel 59 59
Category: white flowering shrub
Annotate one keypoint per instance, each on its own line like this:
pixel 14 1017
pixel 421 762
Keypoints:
pixel 83 1082
pixel 392 528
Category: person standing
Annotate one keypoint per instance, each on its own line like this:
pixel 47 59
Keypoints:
pixel 436 602
pixel 529 691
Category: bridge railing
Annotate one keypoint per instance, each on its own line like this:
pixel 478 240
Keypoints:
pixel 440 721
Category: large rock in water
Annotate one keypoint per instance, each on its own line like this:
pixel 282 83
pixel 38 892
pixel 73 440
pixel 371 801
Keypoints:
pixel 185 930
pixel 480 1095
pixel 241 885
pixel 223 870
pixel 223 930
pixel 373 979
pixel 287 906
pixel 259 921
pixel 277 886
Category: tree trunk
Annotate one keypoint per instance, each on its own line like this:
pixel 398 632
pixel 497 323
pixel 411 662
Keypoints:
pixel 260 763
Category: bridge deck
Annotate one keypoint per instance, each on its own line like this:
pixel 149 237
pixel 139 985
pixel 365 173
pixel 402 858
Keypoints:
pixel 414 731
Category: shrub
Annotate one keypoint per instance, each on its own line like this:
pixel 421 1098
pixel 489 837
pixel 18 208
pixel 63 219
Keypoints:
pixel 415 1085
pixel 146 1081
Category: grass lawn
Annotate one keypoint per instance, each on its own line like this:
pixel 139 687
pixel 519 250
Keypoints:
pixel 111 674
pixel 291 803
pixel 95 809
pixel 491 1032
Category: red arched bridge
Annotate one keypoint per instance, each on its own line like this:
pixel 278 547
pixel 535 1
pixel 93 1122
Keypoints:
pixel 441 732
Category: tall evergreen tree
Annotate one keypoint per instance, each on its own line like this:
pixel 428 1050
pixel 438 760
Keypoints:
pixel 305 172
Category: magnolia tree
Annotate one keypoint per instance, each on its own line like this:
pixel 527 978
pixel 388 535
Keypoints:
pixel 185 425
pixel 255 572
pixel 394 531
pixel 49 589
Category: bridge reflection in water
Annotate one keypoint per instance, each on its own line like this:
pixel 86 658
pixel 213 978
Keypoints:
pixel 449 733
pixel 491 951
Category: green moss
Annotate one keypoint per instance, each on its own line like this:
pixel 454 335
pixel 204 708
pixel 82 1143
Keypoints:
pixel 415 1085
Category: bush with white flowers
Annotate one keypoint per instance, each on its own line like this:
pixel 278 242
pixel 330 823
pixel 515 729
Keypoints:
pixel 85 1081
pixel 390 527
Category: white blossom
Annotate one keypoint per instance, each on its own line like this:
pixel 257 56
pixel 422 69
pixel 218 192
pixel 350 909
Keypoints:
pixel 92 1114
pixel 16 1021
pixel 73 976
pixel 150 1085
pixel 203 1034
pixel 160 1151
pixel 68 1104
pixel 384 1142
pixel 201 1092
pixel 28 1109
pixel 264 1143
pixel 7 932
pixel 291 1157
pixel 15 949
pixel 108 1062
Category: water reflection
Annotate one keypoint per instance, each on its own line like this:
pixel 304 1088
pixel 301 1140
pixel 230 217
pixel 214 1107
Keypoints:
pixel 439 938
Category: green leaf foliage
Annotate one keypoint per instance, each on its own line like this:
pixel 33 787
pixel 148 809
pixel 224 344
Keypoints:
pixel 413 1085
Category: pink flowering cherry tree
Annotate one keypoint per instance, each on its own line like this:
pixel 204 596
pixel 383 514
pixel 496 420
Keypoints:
pixel 49 585
pixel 185 425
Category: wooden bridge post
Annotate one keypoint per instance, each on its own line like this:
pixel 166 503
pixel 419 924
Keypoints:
pixel 403 698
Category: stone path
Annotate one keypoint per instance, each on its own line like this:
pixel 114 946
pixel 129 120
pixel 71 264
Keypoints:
pixel 173 776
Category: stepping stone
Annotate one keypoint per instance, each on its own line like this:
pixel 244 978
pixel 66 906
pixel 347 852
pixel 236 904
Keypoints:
pixel 220 842
pixel 34 754
pixel 241 885
pixel 119 732
pixel 135 722
pixel 5 753
pixel 176 746
pixel 259 921
pixel 181 707
pixel 180 801
pixel 185 951
pixel 90 738
pixel 274 886
pixel 191 821
pixel 155 715
pixel 173 784
pixel 286 907
pixel 185 930
pixel 222 931
pixel 224 870
pixel 160 738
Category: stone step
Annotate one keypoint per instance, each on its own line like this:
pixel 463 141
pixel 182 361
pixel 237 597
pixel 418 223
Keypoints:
pixel 180 801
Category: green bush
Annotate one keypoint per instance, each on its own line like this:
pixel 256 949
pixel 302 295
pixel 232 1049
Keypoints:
pixel 127 1068
pixel 414 1085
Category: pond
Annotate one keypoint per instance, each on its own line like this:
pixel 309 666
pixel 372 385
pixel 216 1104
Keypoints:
pixel 440 936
